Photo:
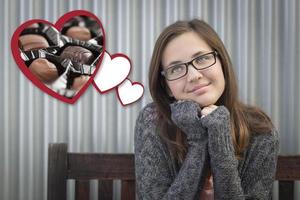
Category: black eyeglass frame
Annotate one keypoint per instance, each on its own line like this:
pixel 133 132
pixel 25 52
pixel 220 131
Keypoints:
pixel 215 54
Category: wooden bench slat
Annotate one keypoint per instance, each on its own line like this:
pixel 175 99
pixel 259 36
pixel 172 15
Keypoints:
pixel 101 166
pixel 105 190
pixel 288 168
pixel 82 190
pixel 286 190
pixel 57 172
pixel 127 190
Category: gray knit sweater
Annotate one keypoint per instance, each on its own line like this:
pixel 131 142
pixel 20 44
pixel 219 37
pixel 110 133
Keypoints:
pixel 209 146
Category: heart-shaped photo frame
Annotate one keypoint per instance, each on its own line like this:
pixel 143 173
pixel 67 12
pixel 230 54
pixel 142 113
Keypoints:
pixel 62 58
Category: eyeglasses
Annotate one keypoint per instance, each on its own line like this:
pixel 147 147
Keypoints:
pixel 199 63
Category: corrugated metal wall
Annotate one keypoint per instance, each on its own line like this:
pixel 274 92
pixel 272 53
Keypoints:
pixel 262 37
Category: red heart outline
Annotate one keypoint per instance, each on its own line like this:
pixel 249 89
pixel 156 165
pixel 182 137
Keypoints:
pixel 111 58
pixel 58 25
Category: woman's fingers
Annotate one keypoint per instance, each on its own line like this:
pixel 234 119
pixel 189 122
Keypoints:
pixel 206 110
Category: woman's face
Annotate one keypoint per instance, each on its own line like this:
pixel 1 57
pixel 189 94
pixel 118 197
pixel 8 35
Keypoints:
pixel 202 86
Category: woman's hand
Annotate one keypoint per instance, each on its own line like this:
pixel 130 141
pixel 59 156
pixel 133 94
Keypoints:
pixel 185 114
pixel 206 110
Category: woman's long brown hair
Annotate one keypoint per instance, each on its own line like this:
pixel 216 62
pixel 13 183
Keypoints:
pixel 244 119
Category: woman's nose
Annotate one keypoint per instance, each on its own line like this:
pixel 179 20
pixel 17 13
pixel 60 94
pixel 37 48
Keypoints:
pixel 193 74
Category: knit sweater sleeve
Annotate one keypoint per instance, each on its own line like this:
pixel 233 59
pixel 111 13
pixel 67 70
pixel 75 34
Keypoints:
pixel 154 177
pixel 256 179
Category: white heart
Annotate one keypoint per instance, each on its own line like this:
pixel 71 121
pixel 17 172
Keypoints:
pixel 112 72
pixel 130 92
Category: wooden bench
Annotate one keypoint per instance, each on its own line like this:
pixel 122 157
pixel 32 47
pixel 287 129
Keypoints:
pixel 82 167
pixel 288 171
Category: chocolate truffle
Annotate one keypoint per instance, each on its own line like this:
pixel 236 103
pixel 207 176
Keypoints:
pixel 79 33
pixel 44 70
pixel 32 41
pixel 34 25
pixel 77 54
pixel 79 82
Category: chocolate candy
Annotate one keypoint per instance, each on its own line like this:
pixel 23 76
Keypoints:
pixel 80 33
pixel 77 54
pixel 79 82
pixel 32 41
pixel 44 70
pixel 34 25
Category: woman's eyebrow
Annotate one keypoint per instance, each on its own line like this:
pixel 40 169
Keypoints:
pixel 199 53
pixel 192 57
pixel 174 63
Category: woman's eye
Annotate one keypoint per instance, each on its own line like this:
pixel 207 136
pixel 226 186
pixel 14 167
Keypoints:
pixel 201 59
pixel 177 69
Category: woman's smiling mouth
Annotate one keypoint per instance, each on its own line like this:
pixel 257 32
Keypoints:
pixel 199 89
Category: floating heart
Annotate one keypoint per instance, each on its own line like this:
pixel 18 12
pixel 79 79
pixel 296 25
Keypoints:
pixel 71 49
pixel 113 71
pixel 129 93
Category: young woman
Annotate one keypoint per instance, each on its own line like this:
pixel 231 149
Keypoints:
pixel 197 140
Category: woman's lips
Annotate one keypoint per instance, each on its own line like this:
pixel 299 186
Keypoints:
pixel 200 89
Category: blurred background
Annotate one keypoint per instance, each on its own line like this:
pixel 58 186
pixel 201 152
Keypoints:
pixel 262 37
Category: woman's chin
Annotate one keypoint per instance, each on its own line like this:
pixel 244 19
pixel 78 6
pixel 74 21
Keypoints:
pixel 204 103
